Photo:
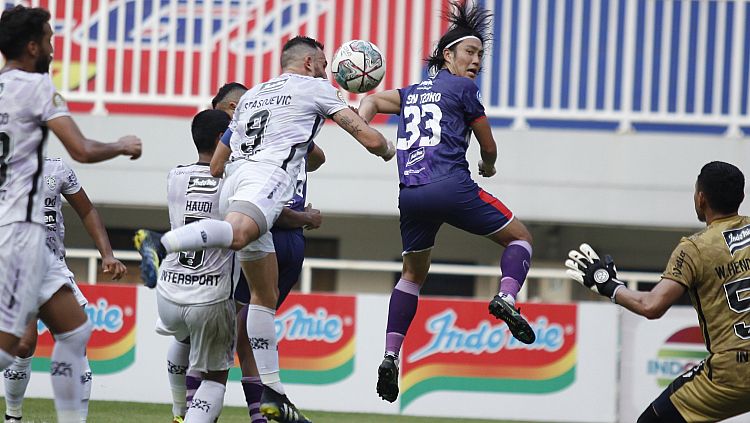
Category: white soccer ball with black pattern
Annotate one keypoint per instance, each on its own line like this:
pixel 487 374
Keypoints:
pixel 358 66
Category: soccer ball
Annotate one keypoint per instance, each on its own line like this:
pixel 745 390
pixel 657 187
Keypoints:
pixel 358 66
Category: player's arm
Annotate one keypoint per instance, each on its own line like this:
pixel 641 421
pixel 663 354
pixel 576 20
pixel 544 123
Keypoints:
pixel 315 159
pixel 221 155
pixel 84 150
pixel 652 304
pixel 487 147
pixel 369 137
pixel 95 228
pixel 585 266
pixel 388 102
pixel 310 218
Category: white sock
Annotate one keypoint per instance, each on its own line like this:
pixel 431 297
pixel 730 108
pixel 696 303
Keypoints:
pixel 508 298
pixel 86 383
pixel 177 363
pixel 207 403
pixel 261 331
pixel 206 233
pixel 66 368
pixel 16 380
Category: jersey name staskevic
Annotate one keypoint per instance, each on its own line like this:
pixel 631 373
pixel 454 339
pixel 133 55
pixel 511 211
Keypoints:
pixel 195 277
pixel 276 121
pixel 27 101
pixel 434 128
pixel 58 178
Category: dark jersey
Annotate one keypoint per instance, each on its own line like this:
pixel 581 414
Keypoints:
pixel 434 128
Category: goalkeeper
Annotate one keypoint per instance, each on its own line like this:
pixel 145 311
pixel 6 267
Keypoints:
pixel 711 266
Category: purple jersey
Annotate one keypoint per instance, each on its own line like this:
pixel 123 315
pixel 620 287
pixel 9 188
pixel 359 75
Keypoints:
pixel 297 203
pixel 434 128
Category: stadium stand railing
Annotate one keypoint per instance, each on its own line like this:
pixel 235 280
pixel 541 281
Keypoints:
pixel 606 64
pixel 536 273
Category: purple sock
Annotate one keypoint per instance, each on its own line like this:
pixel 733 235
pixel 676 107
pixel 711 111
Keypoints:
pixel 192 383
pixel 401 311
pixel 514 265
pixel 253 391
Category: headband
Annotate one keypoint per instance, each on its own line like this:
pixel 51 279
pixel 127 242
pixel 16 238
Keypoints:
pixel 452 43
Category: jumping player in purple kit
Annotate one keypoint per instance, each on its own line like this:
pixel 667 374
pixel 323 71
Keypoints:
pixel 437 118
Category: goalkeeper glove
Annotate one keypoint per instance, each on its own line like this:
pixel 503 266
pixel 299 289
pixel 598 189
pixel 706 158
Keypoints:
pixel 585 267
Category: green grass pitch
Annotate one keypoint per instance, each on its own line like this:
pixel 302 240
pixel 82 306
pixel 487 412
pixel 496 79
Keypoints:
pixel 42 411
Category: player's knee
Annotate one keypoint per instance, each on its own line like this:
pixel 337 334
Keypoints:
pixel 26 348
pixel 523 234
pixel 77 336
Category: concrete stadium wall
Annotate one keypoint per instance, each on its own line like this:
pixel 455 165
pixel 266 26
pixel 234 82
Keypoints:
pixel 571 176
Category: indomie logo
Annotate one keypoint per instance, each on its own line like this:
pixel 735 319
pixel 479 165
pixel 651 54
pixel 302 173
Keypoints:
pixel 297 324
pixel 203 185
pixel 102 315
pixel 484 338
pixel 682 351
pixel 737 239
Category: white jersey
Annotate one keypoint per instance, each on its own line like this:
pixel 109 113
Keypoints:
pixel 58 179
pixel 195 277
pixel 27 101
pixel 276 121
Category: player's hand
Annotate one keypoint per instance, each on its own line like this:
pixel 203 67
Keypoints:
pixel 131 146
pixel 115 267
pixel 315 219
pixel 485 170
pixel 585 267
pixel 390 153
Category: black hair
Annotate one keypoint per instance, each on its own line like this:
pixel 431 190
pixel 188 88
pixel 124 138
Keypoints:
pixel 19 26
pixel 207 126
pixel 723 185
pixel 466 20
pixel 225 90
pixel 299 40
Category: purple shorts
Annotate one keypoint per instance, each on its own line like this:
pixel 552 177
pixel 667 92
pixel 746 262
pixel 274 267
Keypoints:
pixel 457 201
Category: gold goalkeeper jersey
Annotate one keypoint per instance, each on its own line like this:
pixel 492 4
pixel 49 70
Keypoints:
pixel 714 265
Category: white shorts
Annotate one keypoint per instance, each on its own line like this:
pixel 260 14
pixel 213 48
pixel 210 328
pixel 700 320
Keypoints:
pixel 267 187
pixel 58 275
pixel 24 260
pixel 212 330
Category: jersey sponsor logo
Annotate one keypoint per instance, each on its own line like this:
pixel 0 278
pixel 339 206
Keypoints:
pixel 58 100
pixel 425 85
pixel 408 172
pixel 112 312
pixel 682 351
pixel 275 85
pixel 316 336
pixel 737 239
pixel 455 339
pixel 50 218
pixel 203 185
pixel 190 279
pixel 415 156
pixel 50 201
pixel 4 119
pixel 199 206
pixel 2 88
